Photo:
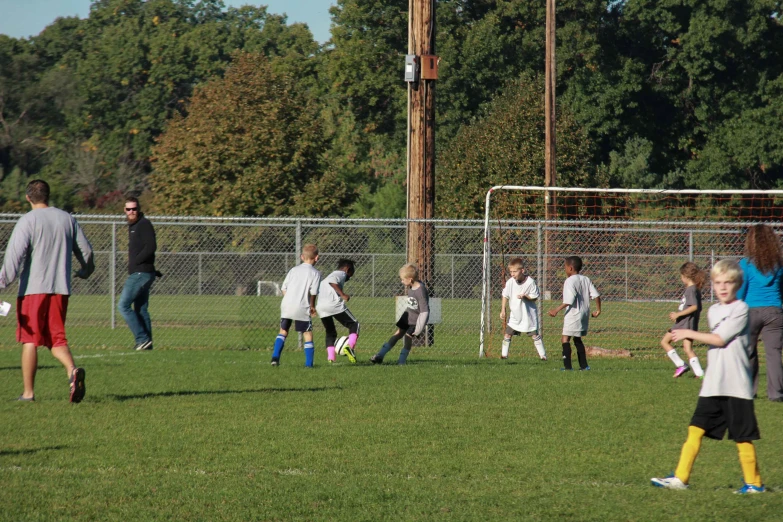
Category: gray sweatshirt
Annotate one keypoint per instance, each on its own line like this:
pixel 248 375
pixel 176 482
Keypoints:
pixel 40 253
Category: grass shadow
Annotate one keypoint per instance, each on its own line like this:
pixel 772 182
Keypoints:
pixel 5 453
pixel 185 393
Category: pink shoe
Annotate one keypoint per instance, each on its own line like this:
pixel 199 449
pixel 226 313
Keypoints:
pixel 681 370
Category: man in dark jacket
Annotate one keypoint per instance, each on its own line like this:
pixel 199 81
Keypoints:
pixel 141 275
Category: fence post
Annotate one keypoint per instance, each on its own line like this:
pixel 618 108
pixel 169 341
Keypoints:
pixel 298 240
pixel 452 276
pixel 373 275
pixel 539 270
pixel 690 246
pixel 626 277
pixel 199 273
pixel 113 274
pixel 712 263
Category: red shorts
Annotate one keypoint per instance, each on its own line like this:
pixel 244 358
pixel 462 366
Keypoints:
pixel 41 319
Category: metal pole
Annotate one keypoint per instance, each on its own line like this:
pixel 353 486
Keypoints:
pixel 690 246
pixel 452 276
pixel 199 273
pixel 373 275
pixel 298 241
pixel 113 275
pixel 539 270
pixel 712 263
pixel 626 277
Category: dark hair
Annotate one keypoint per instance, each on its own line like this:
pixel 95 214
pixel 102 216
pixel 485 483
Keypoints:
pixel 133 199
pixel 694 273
pixel 574 262
pixel 38 191
pixel 345 263
pixel 762 247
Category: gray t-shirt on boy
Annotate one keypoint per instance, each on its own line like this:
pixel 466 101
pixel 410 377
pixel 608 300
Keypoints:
pixel 418 303
pixel 577 292
pixel 329 302
pixel 691 297
pixel 40 249
pixel 728 371
pixel 300 283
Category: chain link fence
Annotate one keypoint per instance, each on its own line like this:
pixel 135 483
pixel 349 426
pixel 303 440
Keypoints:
pixel 220 288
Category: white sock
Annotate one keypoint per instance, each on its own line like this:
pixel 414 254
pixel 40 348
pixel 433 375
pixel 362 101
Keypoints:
pixel 538 342
pixel 696 367
pixel 675 358
pixel 506 344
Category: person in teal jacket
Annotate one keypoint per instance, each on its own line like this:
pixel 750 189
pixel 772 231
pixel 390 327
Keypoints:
pixel 761 291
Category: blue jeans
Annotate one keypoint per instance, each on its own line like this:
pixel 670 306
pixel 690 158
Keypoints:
pixel 136 292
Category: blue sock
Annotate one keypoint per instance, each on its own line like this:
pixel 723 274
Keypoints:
pixel 384 350
pixel 309 349
pixel 403 355
pixel 279 342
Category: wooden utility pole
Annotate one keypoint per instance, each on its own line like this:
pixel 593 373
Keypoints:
pixel 550 170
pixel 421 137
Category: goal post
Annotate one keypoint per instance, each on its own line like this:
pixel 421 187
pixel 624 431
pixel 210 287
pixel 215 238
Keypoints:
pixel 632 241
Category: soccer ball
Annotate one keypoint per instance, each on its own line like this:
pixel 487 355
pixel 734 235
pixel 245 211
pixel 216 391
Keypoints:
pixel 338 346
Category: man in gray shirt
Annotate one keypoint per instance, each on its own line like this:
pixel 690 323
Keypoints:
pixel 39 254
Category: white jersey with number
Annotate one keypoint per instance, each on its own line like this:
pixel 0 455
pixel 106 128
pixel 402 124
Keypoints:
pixel 523 315
pixel 329 301
pixel 577 292
pixel 300 283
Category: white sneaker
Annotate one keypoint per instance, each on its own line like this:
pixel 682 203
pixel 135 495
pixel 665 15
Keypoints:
pixel 670 482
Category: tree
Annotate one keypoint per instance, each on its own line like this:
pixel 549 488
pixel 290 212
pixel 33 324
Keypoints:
pixel 506 147
pixel 251 142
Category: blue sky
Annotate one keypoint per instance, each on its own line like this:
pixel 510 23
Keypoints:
pixel 23 18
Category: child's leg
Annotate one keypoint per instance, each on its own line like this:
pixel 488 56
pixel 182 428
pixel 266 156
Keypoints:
pixel 750 466
pixel 538 342
pixel 353 328
pixel 406 349
pixel 666 344
pixel 566 341
pixel 581 354
pixel 331 336
pixel 690 450
pixel 687 345
pixel 279 343
pixel 309 348
pixel 504 348
pixel 386 348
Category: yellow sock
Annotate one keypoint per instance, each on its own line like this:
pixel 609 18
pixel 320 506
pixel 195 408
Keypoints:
pixel 750 466
pixel 690 450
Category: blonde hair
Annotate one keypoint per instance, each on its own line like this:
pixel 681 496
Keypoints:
pixel 516 263
pixel 309 252
pixel 728 268
pixel 410 271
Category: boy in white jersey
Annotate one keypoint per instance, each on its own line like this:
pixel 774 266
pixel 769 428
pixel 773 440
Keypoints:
pixel 726 396
pixel 331 306
pixel 300 290
pixel 577 292
pixel 520 294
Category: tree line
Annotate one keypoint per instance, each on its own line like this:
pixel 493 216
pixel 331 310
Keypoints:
pixel 205 109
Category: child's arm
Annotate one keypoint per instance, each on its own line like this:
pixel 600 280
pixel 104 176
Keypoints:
pixel 345 297
pixel 312 304
pixel 702 337
pixel 503 304
pixel 555 311
pixel 598 307
pixel 688 311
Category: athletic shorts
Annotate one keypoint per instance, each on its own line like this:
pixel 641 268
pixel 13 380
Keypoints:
pixel 402 324
pixel 716 415
pixel 300 326
pixel 512 332
pixel 345 318
pixel 41 319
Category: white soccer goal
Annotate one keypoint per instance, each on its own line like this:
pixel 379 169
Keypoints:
pixel 632 242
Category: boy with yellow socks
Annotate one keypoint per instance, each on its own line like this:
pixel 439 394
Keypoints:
pixel 726 396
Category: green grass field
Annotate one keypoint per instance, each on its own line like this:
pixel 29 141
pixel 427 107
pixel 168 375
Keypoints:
pixel 221 435
pixel 251 322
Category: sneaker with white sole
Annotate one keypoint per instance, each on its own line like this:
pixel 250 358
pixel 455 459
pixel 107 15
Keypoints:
pixel 749 489
pixel 348 352
pixel 681 370
pixel 670 482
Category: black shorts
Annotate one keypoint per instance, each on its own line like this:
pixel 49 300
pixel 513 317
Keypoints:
pixel 403 325
pixel 715 415
pixel 301 326
pixel 512 332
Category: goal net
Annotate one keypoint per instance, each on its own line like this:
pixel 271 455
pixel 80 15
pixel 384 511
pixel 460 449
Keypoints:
pixel 632 243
